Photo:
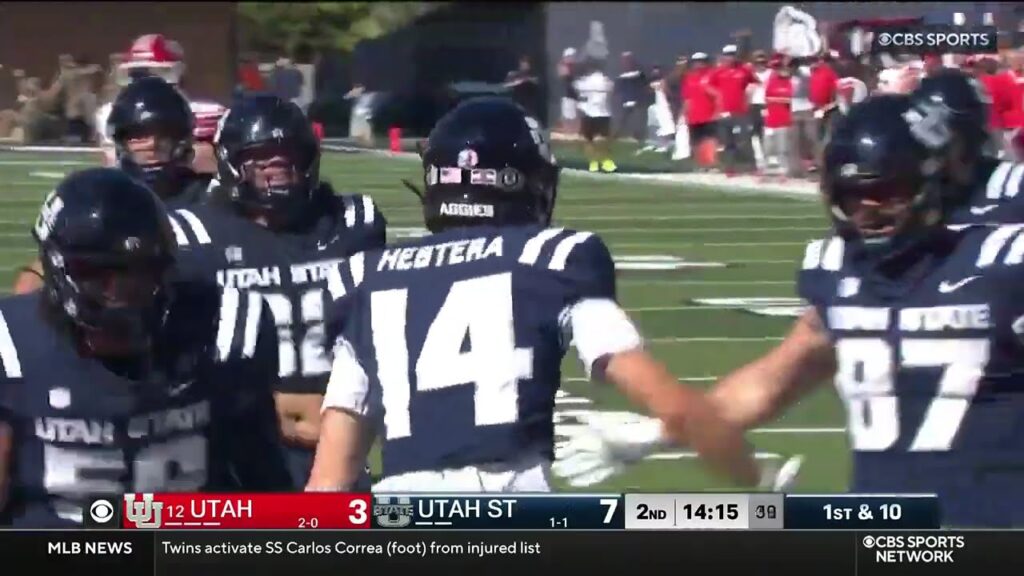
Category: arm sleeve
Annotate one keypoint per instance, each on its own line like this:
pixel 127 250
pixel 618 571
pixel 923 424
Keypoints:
pixel 348 387
pixel 592 319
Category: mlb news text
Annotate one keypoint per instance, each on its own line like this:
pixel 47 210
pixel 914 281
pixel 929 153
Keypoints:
pixel 654 552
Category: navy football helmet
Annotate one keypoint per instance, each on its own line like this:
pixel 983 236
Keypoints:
pixel 879 178
pixel 488 162
pixel 151 108
pixel 960 103
pixel 268 158
pixel 107 248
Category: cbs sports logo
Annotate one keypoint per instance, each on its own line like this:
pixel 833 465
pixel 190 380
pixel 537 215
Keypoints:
pixel 101 513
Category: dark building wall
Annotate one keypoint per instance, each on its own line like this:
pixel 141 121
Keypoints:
pixel 33 34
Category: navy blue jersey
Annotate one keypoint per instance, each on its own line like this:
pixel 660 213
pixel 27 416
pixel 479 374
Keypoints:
pixel 457 340
pixel 289 269
pixel 998 197
pixel 194 192
pixel 200 418
pixel 930 367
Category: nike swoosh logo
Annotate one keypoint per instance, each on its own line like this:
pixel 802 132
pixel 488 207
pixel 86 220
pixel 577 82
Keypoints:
pixel 324 245
pixel 946 287
pixel 180 388
pixel 979 210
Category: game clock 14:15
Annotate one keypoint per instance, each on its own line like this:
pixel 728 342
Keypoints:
pixel 709 512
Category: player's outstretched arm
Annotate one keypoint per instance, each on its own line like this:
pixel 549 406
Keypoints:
pixel 29 279
pixel 346 430
pixel 760 390
pixel 687 416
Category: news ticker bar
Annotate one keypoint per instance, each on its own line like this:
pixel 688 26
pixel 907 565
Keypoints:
pixel 311 510
pixel 330 552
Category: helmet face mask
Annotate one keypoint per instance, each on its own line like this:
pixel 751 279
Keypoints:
pixel 269 159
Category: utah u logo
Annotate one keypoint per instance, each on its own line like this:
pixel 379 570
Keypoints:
pixel 144 514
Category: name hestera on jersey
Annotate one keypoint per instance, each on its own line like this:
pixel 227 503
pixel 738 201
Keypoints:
pixel 97 548
pixel 101 432
pixel 446 254
pixel 267 276
pixel 463 209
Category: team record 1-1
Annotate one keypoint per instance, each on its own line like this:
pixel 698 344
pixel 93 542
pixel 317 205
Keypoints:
pixel 708 511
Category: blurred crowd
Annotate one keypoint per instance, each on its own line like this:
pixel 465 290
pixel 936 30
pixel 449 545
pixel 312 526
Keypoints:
pixel 747 111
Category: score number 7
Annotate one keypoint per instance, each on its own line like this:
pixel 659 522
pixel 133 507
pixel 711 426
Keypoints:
pixel 866 380
pixel 612 504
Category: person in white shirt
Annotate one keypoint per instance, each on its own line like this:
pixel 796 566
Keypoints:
pixel 594 89
pixel 755 92
pixel 805 130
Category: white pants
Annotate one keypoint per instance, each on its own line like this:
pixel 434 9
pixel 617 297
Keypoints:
pixel 526 475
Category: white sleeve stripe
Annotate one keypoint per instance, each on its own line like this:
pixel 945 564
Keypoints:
pixel 350 211
pixel 564 248
pixel 179 233
pixel 252 324
pixel 994 186
pixel 8 353
pixel 368 210
pixel 1013 181
pixel 812 256
pixel 992 245
pixel 357 264
pixel 833 258
pixel 197 227
pixel 228 319
pixel 532 248
pixel 334 284
pixel 1016 253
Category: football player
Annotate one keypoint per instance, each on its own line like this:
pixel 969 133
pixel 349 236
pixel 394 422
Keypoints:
pixel 274 227
pixel 157 55
pixel 952 108
pixel 920 325
pixel 151 125
pixel 115 379
pixel 456 340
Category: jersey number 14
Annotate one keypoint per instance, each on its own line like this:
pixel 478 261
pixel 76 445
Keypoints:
pixel 480 308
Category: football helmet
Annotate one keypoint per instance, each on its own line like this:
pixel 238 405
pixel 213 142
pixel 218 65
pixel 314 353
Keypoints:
pixel 268 158
pixel 152 55
pixel 106 248
pixel 953 98
pixel 879 178
pixel 488 162
pixel 152 108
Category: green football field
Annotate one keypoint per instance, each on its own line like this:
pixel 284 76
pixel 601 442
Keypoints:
pixel 707 274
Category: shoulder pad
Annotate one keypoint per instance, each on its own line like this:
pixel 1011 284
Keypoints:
pixel 825 254
pixel 1005 181
pixel 1002 245
pixel 358 210
pixel 188 229
pixel 581 256
pixel 10 364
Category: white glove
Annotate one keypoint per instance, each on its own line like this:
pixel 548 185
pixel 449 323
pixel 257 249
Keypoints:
pixel 604 446
pixel 777 477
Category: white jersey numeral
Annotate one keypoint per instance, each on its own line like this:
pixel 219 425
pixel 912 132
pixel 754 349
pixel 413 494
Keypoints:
pixel 307 358
pixel 866 382
pixel 478 311
pixel 74 474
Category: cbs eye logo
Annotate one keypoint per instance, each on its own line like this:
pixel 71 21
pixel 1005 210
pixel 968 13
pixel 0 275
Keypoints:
pixel 101 511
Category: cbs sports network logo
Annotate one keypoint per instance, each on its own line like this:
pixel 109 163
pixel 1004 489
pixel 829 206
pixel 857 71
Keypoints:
pixel 935 39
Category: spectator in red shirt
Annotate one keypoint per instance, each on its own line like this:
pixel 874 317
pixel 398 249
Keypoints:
pixel 699 110
pixel 728 84
pixel 1001 90
pixel 822 93
pixel 1015 119
pixel 249 77
pixel 780 147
